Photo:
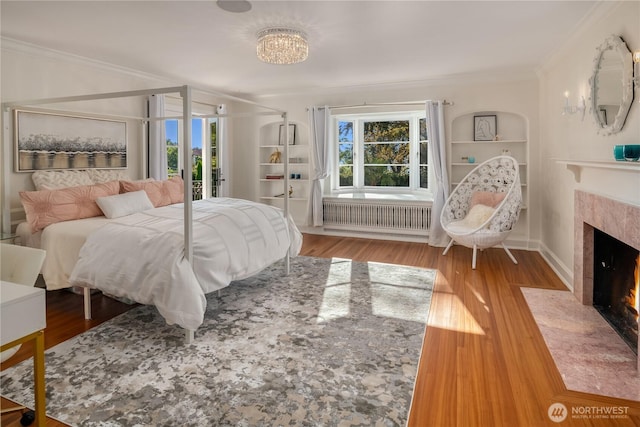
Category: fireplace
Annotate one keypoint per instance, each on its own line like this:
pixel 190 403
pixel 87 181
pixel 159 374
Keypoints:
pixel 615 285
pixel 594 214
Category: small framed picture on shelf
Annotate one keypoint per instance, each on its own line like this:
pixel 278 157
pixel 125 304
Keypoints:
pixel 292 135
pixel 485 127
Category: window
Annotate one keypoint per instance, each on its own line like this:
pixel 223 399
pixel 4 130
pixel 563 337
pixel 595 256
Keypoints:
pixel 345 150
pixel 383 152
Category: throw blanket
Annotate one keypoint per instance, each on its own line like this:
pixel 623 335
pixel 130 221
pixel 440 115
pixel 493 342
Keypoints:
pixel 141 256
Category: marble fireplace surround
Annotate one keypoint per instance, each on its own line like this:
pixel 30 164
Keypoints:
pixel 617 219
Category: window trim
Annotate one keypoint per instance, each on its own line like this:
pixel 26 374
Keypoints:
pixel 358 157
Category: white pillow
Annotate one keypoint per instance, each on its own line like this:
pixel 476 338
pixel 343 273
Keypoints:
pixel 105 175
pixel 478 215
pixel 124 204
pixel 55 180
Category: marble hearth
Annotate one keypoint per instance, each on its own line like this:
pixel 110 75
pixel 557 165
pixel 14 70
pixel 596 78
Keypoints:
pixel 617 219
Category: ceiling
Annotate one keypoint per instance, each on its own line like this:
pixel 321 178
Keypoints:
pixel 352 43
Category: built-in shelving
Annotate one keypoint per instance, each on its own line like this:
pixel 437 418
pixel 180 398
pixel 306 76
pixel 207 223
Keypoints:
pixel 513 138
pixel 270 191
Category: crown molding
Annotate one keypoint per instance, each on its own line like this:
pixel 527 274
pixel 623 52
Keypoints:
pixel 460 79
pixel 20 46
pixel 597 12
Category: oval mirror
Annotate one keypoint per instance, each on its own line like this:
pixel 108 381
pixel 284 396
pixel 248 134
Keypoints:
pixel 611 85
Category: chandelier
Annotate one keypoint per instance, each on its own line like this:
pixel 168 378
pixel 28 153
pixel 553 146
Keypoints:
pixel 282 46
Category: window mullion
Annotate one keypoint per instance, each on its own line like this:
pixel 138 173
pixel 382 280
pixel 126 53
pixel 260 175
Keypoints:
pixel 413 152
pixel 180 147
pixel 358 155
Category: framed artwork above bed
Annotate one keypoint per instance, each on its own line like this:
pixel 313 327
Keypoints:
pixel 57 141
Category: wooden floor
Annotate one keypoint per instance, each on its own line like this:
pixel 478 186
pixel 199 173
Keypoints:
pixel 484 361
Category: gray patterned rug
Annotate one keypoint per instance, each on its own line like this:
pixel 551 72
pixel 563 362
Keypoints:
pixel 335 343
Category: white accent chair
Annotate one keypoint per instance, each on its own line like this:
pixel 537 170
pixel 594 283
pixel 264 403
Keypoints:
pixel 489 179
pixel 21 265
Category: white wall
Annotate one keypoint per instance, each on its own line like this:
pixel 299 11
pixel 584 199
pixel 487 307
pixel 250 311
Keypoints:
pixel 517 94
pixel 567 137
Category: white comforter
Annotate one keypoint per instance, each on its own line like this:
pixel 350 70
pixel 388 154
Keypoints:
pixel 141 256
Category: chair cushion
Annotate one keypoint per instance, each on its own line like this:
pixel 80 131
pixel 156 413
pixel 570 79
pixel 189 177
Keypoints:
pixel 487 198
pixel 477 216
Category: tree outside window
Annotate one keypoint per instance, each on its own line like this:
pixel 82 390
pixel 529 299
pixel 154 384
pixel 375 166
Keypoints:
pixel 387 151
pixel 345 153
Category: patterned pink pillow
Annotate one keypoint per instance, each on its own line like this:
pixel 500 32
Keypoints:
pixel 487 198
pixel 161 193
pixel 47 207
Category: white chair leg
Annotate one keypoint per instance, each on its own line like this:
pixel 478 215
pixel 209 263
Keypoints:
pixel 509 253
pixel 448 247
pixel 473 260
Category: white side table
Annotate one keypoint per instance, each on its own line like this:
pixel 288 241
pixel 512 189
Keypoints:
pixel 22 319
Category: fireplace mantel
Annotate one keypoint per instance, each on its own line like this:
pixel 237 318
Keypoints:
pixel 576 166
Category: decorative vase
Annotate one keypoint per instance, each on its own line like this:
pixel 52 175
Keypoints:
pixel 618 152
pixel 631 152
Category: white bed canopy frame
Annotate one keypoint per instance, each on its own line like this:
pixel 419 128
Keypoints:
pixel 185 92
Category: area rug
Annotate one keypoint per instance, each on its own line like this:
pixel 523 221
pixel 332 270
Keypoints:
pixel 334 343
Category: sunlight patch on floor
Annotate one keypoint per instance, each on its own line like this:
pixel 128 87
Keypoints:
pixel 337 291
pixel 398 292
pixel 395 295
pixel 451 313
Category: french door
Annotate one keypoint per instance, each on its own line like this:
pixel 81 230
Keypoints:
pixel 207 151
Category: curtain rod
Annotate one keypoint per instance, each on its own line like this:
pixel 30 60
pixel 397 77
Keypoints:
pixel 384 104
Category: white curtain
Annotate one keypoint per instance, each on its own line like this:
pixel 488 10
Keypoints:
pixel 319 157
pixel 437 144
pixel 157 139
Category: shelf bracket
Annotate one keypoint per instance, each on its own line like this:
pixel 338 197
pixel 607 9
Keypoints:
pixel 576 169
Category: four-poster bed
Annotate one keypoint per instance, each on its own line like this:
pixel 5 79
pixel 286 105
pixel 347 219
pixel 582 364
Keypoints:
pixel 281 224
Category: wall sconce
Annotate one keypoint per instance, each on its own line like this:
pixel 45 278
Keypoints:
pixel 568 109
pixel 636 70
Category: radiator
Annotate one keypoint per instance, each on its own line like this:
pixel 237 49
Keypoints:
pixel 380 216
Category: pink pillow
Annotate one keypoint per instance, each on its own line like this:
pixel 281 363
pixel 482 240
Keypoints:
pixel 47 207
pixel 487 198
pixel 161 193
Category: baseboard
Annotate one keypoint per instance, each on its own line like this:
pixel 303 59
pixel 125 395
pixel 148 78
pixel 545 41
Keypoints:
pixel 513 243
pixel 520 244
pixel 562 271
